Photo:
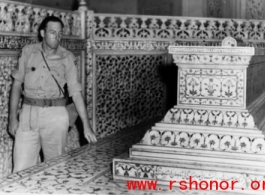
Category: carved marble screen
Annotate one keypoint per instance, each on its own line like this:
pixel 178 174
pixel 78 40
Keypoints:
pixel 214 8
pixel 8 61
pixel 255 9
pixel 129 90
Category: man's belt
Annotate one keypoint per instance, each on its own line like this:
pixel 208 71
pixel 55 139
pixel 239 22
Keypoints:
pixel 45 102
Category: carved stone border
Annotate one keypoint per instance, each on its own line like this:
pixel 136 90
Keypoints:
pixel 204 141
pixel 16 42
pixel 126 170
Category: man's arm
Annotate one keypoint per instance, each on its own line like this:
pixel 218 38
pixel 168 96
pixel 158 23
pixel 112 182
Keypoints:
pixel 14 101
pixel 81 109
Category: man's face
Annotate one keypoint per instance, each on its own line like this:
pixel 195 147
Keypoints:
pixel 52 35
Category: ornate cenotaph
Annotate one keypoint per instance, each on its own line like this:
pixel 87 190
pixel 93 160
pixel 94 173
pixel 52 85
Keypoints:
pixel 214 133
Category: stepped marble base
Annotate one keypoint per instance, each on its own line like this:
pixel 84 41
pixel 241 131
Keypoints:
pixel 215 132
pixel 174 152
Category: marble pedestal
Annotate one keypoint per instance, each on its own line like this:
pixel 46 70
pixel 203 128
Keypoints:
pixel 215 132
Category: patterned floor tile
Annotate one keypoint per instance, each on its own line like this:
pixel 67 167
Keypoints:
pixel 68 173
pixel 86 170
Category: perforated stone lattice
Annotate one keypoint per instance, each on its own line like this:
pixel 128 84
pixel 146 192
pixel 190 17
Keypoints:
pixel 129 90
pixel 7 64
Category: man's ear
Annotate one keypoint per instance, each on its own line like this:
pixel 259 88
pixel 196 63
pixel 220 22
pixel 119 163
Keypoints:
pixel 42 33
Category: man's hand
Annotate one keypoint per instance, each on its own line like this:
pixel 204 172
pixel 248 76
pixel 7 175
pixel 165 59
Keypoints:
pixel 14 100
pixel 13 125
pixel 90 135
pixel 81 109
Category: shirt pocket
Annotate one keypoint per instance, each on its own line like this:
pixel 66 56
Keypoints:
pixel 32 73
pixel 31 78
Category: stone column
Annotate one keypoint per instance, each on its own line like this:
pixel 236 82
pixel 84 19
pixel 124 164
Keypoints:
pixel 210 134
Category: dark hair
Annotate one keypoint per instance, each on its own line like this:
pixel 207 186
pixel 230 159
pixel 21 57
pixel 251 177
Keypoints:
pixel 45 22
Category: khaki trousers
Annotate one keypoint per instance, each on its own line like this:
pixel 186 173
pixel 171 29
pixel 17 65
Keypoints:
pixel 39 127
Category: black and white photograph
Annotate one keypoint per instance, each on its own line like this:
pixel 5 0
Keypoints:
pixel 125 97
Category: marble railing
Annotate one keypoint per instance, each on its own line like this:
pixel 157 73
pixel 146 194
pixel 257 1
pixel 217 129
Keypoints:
pixel 165 28
pixel 141 33
pixel 24 19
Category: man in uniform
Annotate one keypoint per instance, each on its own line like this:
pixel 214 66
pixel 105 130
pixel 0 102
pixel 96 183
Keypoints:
pixel 43 119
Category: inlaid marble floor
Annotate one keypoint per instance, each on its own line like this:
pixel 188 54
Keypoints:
pixel 86 170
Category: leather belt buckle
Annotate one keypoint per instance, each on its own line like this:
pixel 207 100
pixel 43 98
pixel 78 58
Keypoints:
pixel 47 103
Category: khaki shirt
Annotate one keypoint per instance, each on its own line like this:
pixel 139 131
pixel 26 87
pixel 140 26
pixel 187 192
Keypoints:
pixel 37 79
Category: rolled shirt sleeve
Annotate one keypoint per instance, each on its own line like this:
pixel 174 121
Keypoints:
pixel 72 76
pixel 19 72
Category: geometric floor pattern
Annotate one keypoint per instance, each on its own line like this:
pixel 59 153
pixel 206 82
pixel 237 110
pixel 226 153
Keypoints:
pixel 86 170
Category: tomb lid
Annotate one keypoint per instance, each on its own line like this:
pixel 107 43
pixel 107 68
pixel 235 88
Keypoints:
pixel 229 47
pixel 213 50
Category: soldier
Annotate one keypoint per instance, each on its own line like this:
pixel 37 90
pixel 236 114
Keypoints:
pixel 43 69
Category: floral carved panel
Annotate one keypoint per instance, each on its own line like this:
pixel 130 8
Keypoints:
pixel 211 87
pixel 129 90
pixel 214 118
pixel 204 141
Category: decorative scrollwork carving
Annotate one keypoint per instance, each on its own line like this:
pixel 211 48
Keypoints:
pixel 175 28
pixel 204 141
pixel 216 118
pixel 25 18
